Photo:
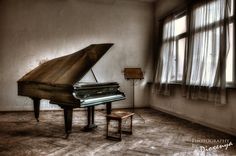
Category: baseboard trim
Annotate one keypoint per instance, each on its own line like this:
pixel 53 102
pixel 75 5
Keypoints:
pixel 76 109
pixel 231 132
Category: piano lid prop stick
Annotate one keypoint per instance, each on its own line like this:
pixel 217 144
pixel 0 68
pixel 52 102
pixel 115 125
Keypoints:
pixel 94 75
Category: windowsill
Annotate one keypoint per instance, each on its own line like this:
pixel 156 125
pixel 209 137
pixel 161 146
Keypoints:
pixel 229 85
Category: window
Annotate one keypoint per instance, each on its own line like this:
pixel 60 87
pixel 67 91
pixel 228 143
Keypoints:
pixel 173 49
pixel 204 41
pixel 230 58
pixel 180 31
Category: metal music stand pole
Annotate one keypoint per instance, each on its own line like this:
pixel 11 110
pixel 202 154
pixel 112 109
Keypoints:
pixel 133 95
pixel 133 74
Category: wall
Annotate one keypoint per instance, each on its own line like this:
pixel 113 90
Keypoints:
pixel 33 31
pixel 222 118
pixel 218 117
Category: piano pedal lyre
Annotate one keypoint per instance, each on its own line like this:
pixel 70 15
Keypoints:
pixel 90 120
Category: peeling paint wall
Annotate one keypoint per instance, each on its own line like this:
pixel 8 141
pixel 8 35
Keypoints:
pixel 222 118
pixel 32 32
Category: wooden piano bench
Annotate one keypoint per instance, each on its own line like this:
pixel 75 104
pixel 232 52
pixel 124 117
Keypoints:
pixel 119 116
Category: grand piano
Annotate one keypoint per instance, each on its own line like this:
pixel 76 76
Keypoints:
pixel 58 81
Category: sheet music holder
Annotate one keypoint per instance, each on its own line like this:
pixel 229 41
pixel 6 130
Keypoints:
pixel 133 74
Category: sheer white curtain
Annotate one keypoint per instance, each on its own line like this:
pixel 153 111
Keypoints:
pixel 205 76
pixel 166 67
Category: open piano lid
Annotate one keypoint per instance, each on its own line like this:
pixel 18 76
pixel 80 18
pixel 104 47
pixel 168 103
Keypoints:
pixel 69 69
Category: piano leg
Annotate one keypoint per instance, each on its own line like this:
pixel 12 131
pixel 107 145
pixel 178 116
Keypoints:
pixel 68 113
pixel 108 105
pixel 90 116
pixel 36 108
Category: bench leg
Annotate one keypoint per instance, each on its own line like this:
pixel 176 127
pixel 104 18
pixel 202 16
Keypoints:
pixel 120 124
pixel 131 127
pixel 119 131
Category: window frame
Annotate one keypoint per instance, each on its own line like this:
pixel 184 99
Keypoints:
pixel 231 19
pixel 233 84
pixel 184 12
pixel 176 39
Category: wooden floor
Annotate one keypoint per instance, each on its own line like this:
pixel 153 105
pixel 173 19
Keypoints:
pixel 154 133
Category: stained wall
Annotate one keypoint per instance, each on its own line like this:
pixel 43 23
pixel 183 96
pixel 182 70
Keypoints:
pixel 32 32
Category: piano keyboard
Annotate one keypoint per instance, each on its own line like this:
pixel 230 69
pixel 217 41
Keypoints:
pixel 99 100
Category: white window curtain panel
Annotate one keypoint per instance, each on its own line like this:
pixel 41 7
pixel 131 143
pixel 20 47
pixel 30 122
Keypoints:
pixel 166 66
pixel 205 72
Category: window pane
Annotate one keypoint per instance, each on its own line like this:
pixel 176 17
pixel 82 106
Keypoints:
pixel 181 52
pixel 180 25
pixel 210 13
pixel 205 57
pixel 168 31
pixel 173 50
pixel 168 62
pixel 229 65
pixel 232 8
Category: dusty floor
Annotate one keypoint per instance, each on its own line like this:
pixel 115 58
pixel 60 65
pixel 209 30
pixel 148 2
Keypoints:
pixel 155 134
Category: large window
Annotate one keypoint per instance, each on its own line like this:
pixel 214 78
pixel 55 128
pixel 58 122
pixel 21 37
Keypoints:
pixel 173 48
pixel 211 33
pixel 205 44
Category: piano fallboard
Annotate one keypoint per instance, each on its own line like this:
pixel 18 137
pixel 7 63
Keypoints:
pixel 97 93
pixel 93 101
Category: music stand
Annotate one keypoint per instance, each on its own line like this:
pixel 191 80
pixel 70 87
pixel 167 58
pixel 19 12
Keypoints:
pixel 133 74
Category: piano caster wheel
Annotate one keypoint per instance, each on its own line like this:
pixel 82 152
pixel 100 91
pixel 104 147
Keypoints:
pixel 67 136
pixel 89 128
pixel 37 120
